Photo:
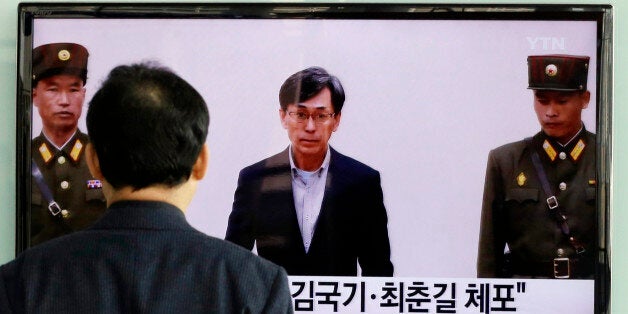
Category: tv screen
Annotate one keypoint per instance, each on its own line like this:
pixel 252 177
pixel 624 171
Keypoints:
pixel 429 91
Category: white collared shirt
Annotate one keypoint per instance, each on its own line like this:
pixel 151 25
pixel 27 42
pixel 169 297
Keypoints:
pixel 308 189
pixel 55 145
pixel 574 137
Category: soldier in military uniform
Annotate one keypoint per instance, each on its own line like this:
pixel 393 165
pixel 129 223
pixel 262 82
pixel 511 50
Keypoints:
pixel 539 209
pixel 65 197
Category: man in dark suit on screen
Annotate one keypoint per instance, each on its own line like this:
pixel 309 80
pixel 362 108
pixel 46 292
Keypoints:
pixel 309 208
pixel 148 129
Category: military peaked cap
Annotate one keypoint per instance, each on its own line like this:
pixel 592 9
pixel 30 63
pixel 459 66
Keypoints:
pixel 59 58
pixel 558 72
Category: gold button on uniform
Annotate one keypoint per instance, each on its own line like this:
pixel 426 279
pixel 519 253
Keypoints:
pixel 65 185
pixel 61 160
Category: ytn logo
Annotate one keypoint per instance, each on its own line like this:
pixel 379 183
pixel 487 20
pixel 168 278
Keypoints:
pixel 546 43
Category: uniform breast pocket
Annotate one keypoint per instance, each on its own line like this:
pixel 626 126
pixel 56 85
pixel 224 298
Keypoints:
pixel 94 195
pixel 521 195
pixel 589 194
pixel 36 199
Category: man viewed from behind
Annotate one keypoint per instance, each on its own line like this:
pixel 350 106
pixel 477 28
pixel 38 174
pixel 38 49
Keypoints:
pixel 148 129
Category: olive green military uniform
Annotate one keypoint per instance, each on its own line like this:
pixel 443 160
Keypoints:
pixel 539 217
pixel 515 211
pixel 66 174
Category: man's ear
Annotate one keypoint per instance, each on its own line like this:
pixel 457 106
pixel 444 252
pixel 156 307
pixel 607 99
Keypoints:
pixel 336 121
pixel 586 97
pixel 34 96
pixel 282 117
pixel 92 162
pixel 202 163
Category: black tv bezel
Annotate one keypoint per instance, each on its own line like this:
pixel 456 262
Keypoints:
pixel 600 13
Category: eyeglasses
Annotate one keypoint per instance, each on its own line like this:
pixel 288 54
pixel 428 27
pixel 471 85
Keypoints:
pixel 319 118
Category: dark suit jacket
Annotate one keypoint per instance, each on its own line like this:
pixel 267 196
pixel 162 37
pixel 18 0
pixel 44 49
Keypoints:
pixel 142 257
pixel 515 211
pixel 351 227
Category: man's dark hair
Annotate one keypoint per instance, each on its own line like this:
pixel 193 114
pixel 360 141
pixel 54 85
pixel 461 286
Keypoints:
pixel 305 84
pixel 147 126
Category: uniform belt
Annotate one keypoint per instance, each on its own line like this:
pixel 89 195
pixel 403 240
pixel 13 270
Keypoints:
pixel 560 268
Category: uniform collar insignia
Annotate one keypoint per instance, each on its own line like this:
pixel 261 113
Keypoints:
pixel 94 184
pixel 577 150
pixel 45 152
pixel 549 150
pixel 76 150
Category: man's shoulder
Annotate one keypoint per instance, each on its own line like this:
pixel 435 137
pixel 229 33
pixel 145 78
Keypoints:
pixel 37 141
pixel 517 147
pixel 49 252
pixel 83 246
pixel 194 264
pixel 211 247
pixel 589 136
pixel 279 164
pixel 82 136
pixel 510 148
pixel 40 139
pixel 345 163
pixel 268 166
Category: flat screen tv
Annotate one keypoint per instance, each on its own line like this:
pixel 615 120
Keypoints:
pixel 430 91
